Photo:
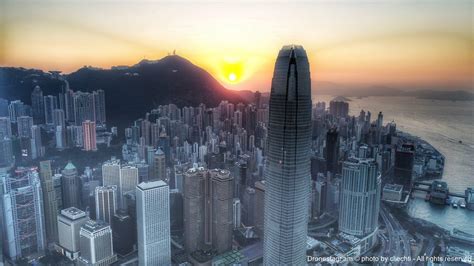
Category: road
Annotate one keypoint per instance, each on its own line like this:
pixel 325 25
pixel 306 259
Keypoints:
pixel 397 244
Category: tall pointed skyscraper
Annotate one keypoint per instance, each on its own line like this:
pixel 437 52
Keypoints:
pixel 287 171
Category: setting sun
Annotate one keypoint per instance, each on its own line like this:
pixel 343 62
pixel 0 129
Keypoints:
pixel 232 77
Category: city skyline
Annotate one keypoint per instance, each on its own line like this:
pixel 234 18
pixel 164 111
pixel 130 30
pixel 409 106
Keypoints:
pixel 405 44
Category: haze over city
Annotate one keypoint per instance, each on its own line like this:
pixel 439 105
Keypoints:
pixel 400 44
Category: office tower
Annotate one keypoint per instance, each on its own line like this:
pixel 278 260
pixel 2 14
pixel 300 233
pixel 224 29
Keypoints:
pixel 403 169
pixel 6 153
pixel 236 207
pixel 208 209
pixel 259 207
pixel 88 195
pixel 69 223
pixel 50 103
pixel 111 175
pixel 159 165
pixel 58 190
pixel 99 106
pixel 59 118
pixel 360 200
pixel 128 181
pixel 83 107
pixel 248 204
pixel 70 184
pixel 37 105
pixel 287 173
pixel 24 124
pixel 16 109
pixel 89 135
pixel 105 203
pixel 23 217
pixel 176 211
pixel 123 232
pixel 339 107
pixel 5 128
pixel 37 149
pixel 96 244
pixel 332 151
pixel 153 223
pixel 49 202
pixel 380 120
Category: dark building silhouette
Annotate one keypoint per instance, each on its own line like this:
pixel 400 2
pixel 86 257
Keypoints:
pixel 403 169
pixel 332 151
pixel 123 232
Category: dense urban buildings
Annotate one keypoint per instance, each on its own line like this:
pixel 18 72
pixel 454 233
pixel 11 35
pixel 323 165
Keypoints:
pixel 266 179
pixel 287 173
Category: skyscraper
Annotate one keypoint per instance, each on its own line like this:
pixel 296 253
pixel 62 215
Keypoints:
pixel 111 175
pixel 69 223
pixel 96 244
pixel 37 105
pixel 360 200
pixel 50 103
pixel 37 149
pixel 70 186
pixel 5 127
pixel 89 135
pixel 24 124
pixel 332 151
pixel 49 202
pixel 128 181
pixel 208 209
pixel 153 223
pixel 287 172
pixel 159 166
pixel 23 217
pixel 105 203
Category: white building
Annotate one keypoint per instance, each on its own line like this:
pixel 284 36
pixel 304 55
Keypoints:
pixel 96 244
pixel 70 221
pixel 153 222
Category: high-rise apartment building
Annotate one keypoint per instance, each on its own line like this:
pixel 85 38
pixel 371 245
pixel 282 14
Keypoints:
pixel 50 104
pixel 37 105
pixel 89 135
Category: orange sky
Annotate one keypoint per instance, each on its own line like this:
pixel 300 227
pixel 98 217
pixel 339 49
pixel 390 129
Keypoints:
pixel 399 43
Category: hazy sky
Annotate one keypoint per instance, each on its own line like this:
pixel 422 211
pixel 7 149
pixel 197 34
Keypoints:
pixel 394 43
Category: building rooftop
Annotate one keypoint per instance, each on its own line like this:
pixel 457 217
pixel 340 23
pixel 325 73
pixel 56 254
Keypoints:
pixel 393 187
pixel 70 166
pixel 151 184
pixel 93 226
pixel 73 213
